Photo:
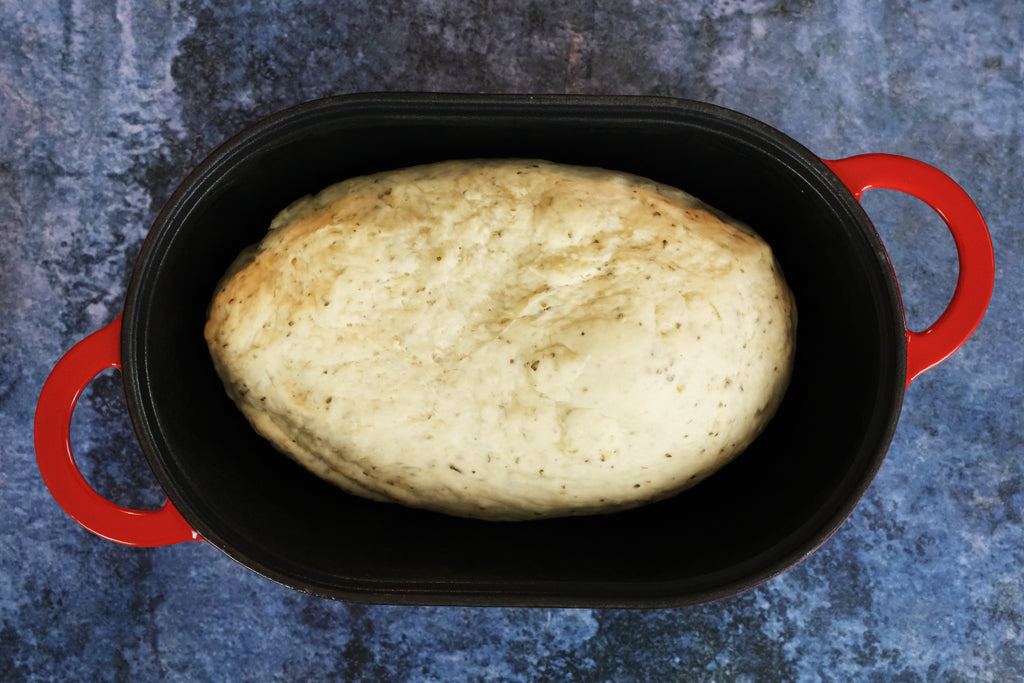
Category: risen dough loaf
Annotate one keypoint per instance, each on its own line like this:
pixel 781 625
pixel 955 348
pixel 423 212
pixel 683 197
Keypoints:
pixel 506 339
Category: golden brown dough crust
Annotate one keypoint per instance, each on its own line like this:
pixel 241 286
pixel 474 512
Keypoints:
pixel 506 339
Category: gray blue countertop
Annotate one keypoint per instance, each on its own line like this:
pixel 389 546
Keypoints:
pixel 104 108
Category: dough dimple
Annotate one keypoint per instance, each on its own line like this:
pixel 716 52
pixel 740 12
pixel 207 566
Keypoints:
pixel 506 339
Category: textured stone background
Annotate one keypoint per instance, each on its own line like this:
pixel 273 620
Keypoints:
pixel 105 106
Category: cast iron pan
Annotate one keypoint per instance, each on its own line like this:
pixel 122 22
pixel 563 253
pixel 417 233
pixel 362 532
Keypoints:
pixel 756 518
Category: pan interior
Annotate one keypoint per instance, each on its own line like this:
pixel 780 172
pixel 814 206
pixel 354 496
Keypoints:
pixel 758 516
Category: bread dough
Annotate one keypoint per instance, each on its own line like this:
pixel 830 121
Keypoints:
pixel 506 339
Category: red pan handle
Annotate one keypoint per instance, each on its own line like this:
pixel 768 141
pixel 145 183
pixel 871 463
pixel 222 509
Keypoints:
pixel 976 276
pixel 148 528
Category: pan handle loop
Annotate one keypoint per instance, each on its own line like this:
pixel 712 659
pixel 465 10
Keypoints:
pixel 976 276
pixel 85 360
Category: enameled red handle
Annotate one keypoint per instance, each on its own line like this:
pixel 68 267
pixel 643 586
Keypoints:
pixel 976 276
pixel 97 352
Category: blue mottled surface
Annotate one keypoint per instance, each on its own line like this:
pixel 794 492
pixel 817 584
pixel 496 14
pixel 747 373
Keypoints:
pixel 105 106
